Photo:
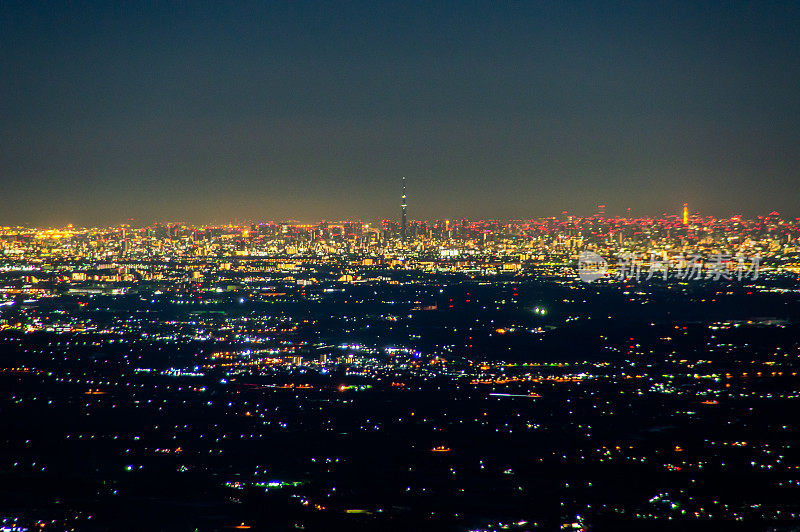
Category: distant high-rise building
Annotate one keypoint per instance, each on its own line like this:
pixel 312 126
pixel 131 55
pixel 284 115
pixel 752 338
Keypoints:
pixel 403 218
pixel 685 214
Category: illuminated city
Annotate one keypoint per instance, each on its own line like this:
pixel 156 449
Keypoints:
pixel 372 266
pixel 346 374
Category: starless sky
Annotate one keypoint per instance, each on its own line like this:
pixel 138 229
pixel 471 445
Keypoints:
pixel 203 112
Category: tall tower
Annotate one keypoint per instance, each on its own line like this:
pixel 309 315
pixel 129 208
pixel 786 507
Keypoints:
pixel 403 219
pixel 685 214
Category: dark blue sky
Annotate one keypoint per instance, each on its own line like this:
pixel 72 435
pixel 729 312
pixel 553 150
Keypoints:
pixel 276 110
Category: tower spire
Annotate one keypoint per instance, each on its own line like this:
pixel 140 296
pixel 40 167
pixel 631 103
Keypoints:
pixel 403 219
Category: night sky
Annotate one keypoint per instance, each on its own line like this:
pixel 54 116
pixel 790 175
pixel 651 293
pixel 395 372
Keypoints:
pixel 296 110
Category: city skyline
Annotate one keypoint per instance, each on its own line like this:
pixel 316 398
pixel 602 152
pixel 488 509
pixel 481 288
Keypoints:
pixel 684 214
pixel 388 266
